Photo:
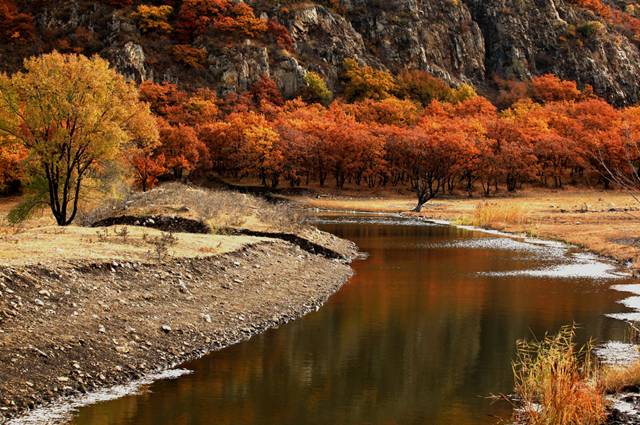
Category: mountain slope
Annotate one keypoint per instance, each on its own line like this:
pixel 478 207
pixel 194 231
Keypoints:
pixel 457 40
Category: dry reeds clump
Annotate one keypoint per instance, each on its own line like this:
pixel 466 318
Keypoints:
pixel 488 214
pixel 616 379
pixel 556 383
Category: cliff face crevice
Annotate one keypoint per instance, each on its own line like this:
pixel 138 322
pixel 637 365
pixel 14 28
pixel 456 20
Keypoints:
pixel 532 37
pixel 469 41
pixel 458 40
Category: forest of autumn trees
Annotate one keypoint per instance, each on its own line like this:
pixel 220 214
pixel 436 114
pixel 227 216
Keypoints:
pixel 410 131
pixel 433 140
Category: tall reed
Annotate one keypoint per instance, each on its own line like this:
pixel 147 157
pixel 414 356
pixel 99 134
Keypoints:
pixel 556 382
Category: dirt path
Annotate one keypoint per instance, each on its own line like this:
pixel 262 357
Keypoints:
pixel 82 326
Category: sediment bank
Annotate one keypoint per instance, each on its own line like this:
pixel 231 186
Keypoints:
pixel 84 325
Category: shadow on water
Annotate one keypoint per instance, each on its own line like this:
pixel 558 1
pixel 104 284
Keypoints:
pixel 423 331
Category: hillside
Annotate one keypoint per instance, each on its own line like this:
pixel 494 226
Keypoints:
pixel 472 41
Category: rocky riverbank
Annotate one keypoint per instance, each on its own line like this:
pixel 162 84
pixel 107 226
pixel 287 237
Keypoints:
pixel 171 275
pixel 74 329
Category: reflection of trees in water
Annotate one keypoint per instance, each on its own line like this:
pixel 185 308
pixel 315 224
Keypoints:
pixel 415 338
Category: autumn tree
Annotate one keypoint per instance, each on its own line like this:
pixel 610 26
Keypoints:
pixel 73 115
pixel 153 18
pixel 388 111
pixel 196 17
pixel 12 156
pixel 147 167
pixel 422 87
pixel 266 90
pixel 550 88
pixel 365 82
pixel 626 172
pixel 181 148
pixel 14 25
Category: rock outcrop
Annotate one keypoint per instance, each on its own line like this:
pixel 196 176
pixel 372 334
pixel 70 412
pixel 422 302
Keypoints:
pixel 458 40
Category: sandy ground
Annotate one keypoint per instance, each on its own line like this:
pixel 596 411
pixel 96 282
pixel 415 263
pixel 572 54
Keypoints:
pixel 605 222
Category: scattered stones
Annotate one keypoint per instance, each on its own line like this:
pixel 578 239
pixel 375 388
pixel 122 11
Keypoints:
pixel 94 338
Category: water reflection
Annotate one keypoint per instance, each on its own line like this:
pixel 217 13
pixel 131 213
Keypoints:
pixel 418 336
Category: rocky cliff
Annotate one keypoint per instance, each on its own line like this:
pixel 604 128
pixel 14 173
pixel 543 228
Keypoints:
pixel 458 40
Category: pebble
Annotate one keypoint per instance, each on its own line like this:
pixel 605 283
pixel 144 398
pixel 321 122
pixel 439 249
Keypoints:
pixel 39 302
pixel 165 328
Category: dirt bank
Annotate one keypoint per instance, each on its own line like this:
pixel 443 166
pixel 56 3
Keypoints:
pixel 76 328
pixel 167 276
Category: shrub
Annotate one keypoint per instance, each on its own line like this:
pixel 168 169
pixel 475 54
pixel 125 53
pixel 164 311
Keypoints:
pixel 193 57
pixel 556 382
pixel 423 87
pixel 280 33
pixel 196 17
pixel 590 28
pixel 316 89
pixel 365 82
pixel 153 18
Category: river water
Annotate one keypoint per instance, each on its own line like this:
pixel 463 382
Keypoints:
pixel 422 334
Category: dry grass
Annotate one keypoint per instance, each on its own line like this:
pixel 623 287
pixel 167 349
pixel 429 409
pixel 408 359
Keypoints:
pixel 54 244
pixel 557 383
pixel 618 378
pixel 218 209
pixel 494 214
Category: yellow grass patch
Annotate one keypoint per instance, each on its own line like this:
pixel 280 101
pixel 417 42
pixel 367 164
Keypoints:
pixel 122 243
pixel 617 378
pixel 495 214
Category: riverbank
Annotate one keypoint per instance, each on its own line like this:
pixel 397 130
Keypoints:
pixel 84 309
pixel 604 222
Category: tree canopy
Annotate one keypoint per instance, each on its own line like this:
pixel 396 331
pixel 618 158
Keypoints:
pixel 73 115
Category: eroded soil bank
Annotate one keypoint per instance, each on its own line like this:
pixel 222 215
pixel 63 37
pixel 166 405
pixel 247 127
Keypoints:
pixel 85 325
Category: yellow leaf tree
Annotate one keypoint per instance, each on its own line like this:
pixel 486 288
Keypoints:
pixel 74 115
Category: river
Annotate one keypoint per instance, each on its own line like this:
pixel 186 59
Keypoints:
pixel 422 334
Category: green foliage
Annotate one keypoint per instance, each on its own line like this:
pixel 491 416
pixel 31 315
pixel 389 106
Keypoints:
pixel 317 90
pixel 37 198
pixel 590 28
pixel 462 93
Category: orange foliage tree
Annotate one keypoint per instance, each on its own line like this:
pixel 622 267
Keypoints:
pixel 12 156
pixel 14 25
pixel 552 133
pixel 197 17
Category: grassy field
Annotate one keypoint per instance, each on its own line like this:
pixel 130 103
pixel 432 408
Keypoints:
pixel 606 222
pixel 40 241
